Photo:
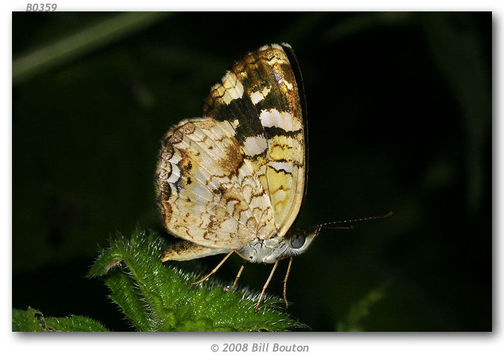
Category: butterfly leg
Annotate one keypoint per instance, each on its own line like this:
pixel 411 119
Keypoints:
pixel 285 282
pixel 215 269
pixel 266 285
pixel 237 277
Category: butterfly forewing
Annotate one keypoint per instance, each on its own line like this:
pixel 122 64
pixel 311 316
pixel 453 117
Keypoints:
pixel 262 93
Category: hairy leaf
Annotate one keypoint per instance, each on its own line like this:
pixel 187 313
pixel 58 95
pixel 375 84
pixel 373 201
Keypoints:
pixel 32 320
pixel 158 297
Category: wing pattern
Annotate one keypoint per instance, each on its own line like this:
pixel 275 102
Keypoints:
pixel 208 192
pixel 262 93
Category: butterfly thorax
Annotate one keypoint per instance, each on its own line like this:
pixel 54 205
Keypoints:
pixel 268 251
pixel 264 251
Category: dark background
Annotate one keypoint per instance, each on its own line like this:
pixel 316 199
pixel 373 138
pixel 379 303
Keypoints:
pixel 399 109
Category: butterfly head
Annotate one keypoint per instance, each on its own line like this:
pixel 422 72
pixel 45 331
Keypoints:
pixel 299 240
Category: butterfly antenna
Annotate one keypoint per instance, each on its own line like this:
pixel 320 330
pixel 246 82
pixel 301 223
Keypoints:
pixel 351 221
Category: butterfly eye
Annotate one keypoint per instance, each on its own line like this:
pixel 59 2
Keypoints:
pixel 297 241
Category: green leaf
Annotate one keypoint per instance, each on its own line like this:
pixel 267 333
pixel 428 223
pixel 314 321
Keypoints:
pixel 74 323
pixel 360 310
pixel 32 320
pixel 126 295
pixel 28 320
pixel 158 297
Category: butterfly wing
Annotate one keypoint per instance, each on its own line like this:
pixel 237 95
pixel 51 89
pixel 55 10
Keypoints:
pixel 208 192
pixel 262 93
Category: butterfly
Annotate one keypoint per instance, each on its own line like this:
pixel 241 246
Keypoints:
pixel 233 181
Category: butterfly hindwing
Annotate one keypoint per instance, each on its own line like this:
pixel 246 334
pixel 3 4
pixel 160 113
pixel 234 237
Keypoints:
pixel 208 192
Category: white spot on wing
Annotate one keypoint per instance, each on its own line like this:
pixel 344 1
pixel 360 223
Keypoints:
pixel 233 87
pixel 260 95
pixel 235 123
pixel 175 174
pixel 175 158
pixel 255 145
pixel 288 84
pixel 282 120
pixel 256 97
pixel 281 166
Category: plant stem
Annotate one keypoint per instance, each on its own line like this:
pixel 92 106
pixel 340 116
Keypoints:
pixel 84 41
